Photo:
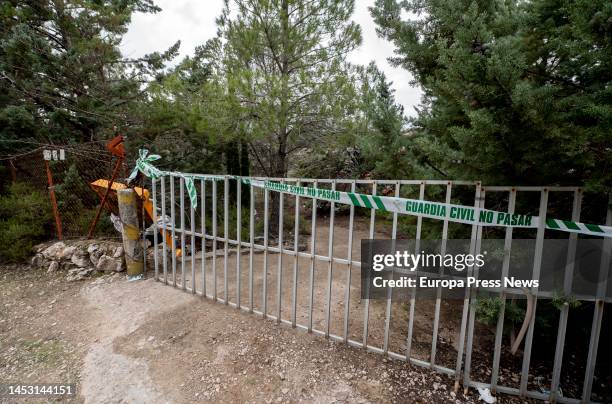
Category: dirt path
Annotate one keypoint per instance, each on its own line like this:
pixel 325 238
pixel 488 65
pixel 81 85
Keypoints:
pixel 146 342
pixel 122 308
pixel 450 311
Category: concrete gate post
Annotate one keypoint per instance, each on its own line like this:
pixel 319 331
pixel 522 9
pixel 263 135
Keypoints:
pixel 132 244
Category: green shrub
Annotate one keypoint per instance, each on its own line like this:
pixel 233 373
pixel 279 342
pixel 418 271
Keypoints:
pixel 488 309
pixel 104 227
pixel 559 301
pixel 25 220
pixel 72 195
pixel 288 226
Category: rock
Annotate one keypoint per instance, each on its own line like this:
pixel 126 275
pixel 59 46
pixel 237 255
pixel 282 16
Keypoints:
pixel 67 253
pixel 66 265
pixel 92 248
pixel 54 250
pixel 78 274
pixel 80 258
pixel 118 252
pixel 108 264
pixel 53 266
pixel 73 271
pixel 38 261
pixel 39 248
pixel 79 255
pixel 95 255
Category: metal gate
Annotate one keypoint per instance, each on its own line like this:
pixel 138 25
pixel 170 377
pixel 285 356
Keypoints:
pixel 294 279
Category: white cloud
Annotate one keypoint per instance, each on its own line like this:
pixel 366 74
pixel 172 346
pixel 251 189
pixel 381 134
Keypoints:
pixel 193 22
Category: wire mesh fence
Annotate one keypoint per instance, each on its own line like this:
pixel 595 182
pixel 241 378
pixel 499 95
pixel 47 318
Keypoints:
pixel 65 173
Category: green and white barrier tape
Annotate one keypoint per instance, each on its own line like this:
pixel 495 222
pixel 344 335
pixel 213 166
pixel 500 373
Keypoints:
pixel 143 164
pixel 434 210
pixel 404 206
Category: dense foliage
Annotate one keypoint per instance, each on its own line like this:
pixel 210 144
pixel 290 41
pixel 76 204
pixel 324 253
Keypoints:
pixel 62 76
pixel 283 65
pixel 25 219
pixel 515 92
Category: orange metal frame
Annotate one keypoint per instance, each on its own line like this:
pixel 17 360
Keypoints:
pixel 101 186
pixel 116 148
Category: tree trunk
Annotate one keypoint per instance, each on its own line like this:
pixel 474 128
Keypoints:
pixel 245 170
pixel 232 167
pixel 280 171
pixel 280 165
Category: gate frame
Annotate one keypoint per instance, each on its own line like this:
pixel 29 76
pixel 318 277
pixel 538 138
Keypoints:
pixel 463 367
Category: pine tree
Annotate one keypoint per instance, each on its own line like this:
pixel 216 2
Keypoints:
pixel 180 116
pixel 515 92
pixel 284 65
pixel 62 76
pixel 386 143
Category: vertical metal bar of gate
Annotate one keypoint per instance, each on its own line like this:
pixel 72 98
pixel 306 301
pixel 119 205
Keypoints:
pixel 366 308
pixel 567 288
pixel 279 277
pixel 252 243
pixel 203 224
pixel 225 238
pixel 436 322
pixel 296 237
pixel 417 248
pixel 155 229
pixel 172 213
pixel 466 300
pixel 165 227
pixel 390 290
pixel 183 252
pixel 265 258
pixel 330 267
pixel 313 241
pixel 537 265
pixel 472 310
pixel 238 238
pixel 214 242
pixel 598 311
pixel 499 330
pixel 193 247
pixel 347 292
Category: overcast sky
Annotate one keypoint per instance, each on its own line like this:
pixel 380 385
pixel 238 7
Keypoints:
pixel 193 22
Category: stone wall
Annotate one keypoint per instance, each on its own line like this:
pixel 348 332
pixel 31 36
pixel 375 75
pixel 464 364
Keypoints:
pixel 80 258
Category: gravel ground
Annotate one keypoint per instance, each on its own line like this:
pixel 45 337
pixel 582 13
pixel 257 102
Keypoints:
pixel 146 342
